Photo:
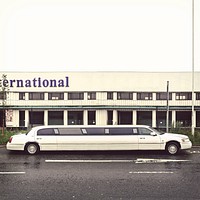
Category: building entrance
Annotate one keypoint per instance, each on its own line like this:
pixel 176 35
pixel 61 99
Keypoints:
pixel 184 118
pixel 75 117
pixel 55 118
pixel 36 118
pixel 125 117
pixel 144 118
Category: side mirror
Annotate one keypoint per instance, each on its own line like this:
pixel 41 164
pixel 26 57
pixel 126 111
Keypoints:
pixel 153 134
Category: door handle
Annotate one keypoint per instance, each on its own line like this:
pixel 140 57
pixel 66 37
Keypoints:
pixel 142 138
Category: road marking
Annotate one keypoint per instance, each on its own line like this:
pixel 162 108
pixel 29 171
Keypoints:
pixel 159 172
pixel 195 152
pixel 11 173
pixel 146 160
pixel 88 161
pixel 138 161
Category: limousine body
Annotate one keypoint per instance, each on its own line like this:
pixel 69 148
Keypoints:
pixel 60 138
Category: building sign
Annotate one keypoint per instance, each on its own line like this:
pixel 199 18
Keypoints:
pixel 35 82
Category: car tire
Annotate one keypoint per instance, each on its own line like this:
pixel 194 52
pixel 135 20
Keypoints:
pixel 172 148
pixel 32 148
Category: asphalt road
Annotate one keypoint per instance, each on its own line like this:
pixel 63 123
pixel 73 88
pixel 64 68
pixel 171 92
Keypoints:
pixel 99 175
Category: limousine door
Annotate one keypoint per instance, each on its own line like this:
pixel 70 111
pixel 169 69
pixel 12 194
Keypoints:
pixel 71 139
pixel 47 139
pixel 97 139
pixel 147 140
pixel 123 138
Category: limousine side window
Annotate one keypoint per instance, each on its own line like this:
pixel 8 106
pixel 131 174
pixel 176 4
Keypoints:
pixel 95 131
pixel 46 131
pixel 70 131
pixel 145 131
pixel 123 131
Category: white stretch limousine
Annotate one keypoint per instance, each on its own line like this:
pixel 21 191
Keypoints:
pixel 58 138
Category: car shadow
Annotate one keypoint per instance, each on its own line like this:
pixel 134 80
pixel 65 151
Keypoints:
pixel 106 153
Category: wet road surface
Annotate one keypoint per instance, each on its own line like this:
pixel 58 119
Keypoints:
pixel 99 175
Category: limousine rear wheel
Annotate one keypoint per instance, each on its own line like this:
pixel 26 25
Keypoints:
pixel 172 148
pixel 32 148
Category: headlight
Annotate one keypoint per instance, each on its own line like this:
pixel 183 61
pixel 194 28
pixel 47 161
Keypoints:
pixel 185 140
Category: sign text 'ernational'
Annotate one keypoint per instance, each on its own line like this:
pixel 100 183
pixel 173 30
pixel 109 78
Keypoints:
pixel 36 82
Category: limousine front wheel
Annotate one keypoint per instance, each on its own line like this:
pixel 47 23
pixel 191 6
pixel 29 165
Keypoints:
pixel 32 148
pixel 172 148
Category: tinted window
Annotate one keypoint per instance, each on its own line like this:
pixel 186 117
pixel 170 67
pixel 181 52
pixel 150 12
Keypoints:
pixel 95 131
pixel 125 96
pixel 145 131
pixel 56 96
pixel 122 131
pixel 46 131
pixel 75 95
pixel 184 96
pixel 36 95
pixel 163 96
pixel 144 96
pixel 70 131
pixel 109 95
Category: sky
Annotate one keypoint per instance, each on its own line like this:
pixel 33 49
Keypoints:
pixel 98 35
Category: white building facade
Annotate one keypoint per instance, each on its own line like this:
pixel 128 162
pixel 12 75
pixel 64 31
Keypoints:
pixel 99 98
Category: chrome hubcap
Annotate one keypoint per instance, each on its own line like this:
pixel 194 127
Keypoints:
pixel 32 149
pixel 172 149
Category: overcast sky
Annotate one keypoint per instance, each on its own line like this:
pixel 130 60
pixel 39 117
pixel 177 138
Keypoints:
pixel 98 35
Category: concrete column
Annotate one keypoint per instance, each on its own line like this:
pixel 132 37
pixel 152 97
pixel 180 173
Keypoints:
pixel 195 119
pixel 154 118
pixel 173 96
pixel 101 117
pixel 174 117
pixel 45 117
pixel 26 96
pixel 45 96
pixel 115 121
pixel 114 95
pixel 134 117
pixel 65 117
pixel 27 122
pixel 154 96
pixel 134 96
pixel 85 117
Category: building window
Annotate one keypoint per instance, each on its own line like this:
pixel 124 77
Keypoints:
pixel 55 117
pixel 163 96
pixel 22 96
pixel 75 96
pixel 36 96
pixel 36 118
pixel 183 118
pixel 22 118
pixel 109 95
pixel 124 96
pixel 183 96
pixel 198 96
pixel 91 96
pixel 91 117
pixel 75 117
pixel 56 96
pixel 144 96
pixel 110 117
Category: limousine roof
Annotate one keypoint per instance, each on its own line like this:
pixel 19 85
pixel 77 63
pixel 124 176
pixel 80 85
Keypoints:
pixel 90 126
